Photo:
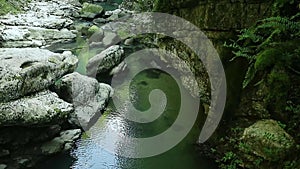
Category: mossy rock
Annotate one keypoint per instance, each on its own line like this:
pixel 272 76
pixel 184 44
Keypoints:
pixel 95 29
pixel 91 11
pixel 267 140
pixel 13 6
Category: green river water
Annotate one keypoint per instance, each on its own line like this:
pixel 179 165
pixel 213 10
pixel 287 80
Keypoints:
pixel 88 155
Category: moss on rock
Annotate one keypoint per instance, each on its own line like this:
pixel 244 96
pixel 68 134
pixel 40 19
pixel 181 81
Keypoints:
pixel 13 6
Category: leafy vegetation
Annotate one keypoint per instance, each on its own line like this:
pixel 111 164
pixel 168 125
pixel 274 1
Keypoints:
pixel 13 6
pixel 230 161
pixel 271 43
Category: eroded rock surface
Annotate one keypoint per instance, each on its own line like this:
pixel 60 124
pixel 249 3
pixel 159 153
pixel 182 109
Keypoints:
pixel 268 140
pixel 27 70
pixel 105 61
pixel 42 24
pixel 87 95
pixel 42 109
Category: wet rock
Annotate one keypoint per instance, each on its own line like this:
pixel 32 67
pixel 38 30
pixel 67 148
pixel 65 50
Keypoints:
pixel 53 147
pixel 24 162
pixel 105 61
pixel 268 140
pixel 87 95
pixel 28 70
pixel 41 109
pixel 91 11
pixel 3 166
pixel 129 41
pixel 69 136
pixel 58 144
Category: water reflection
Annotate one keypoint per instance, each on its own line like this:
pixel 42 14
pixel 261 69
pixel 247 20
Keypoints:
pixel 112 128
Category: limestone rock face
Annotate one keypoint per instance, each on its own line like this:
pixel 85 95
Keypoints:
pixel 268 140
pixel 42 109
pixel 105 61
pixel 42 23
pixel 50 22
pixel 87 95
pixel 28 70
pixel 47 14
pixel 22 36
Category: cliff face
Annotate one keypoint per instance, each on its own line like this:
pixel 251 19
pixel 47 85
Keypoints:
pixel 221 20
pixel 223 15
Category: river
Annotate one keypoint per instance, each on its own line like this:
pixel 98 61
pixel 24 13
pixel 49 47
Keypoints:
pixel 88 154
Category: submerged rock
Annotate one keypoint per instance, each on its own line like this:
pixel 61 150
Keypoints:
pixel 41 109
pixel 87 95
pixel 28 70
pixel 268 140
pixel 105 61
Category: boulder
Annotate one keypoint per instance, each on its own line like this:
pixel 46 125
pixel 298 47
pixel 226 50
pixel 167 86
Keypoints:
pixel 91 11
pixel 105 61
pixel 3 166
pixel 53 147
pixel 95 29
pixel 87 95
pixel 28 70
pixel 61 143
pixel 268 140
pixel 110 38
pixel 41 109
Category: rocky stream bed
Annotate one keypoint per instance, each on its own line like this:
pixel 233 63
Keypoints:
pixel 56 61
pixel 41 99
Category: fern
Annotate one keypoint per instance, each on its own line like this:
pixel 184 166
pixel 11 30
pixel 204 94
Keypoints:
pixel 272 41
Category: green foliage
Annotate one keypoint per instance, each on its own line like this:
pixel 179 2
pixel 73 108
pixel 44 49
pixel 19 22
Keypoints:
pixel 293 110
pixel 272 42
pixel 282 125
pixel 145 5
pixel 13 6
pixel 139 5
pixel 290 165
pixel 230 161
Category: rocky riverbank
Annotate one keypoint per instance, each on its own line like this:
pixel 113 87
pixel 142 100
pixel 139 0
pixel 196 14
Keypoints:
pixel 44 105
